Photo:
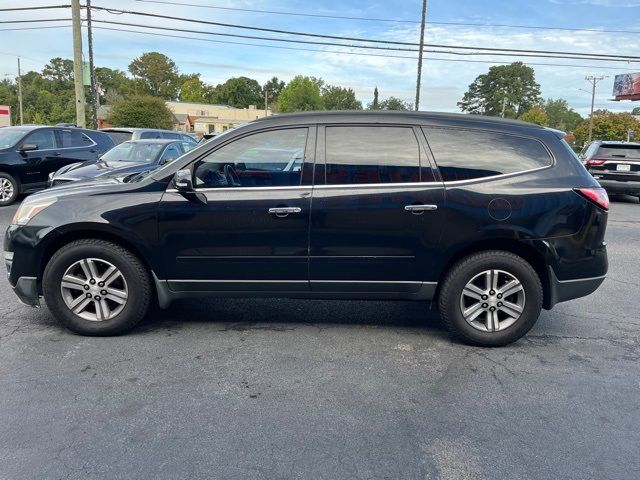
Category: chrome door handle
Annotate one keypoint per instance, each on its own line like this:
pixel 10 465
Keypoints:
pixel 284 211
pixel 419 209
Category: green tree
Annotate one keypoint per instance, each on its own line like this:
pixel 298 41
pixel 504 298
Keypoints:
pixel 273 88
pixel 239 92
pixel 375 105
pixel 510 87
pixel 141 111
pixel 114 84
pixel 58 70
pixel 607 126
pixel 394 103
pixel 156 75
pixel 192 89
pixel 635 111
pixel 300 94
pixel 339 98
pixel 560 115
pixel 535 115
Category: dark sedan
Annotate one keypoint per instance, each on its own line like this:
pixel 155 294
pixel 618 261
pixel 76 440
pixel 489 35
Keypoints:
pixel 128 158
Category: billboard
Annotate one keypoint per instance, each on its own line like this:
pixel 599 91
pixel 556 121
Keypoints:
pixel 627 86
pixel 5 116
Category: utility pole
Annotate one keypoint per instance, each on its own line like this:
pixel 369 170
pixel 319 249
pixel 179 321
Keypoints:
pixel 20 92
pixel 94 91
pixel 593 80
pixel 266 100
pixel 77 63
pixel 419 79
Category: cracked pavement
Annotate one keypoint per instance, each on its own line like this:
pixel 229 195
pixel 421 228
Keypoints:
pixel 283 389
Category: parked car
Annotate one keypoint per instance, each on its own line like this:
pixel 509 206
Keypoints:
pixel 128 158
pixel 490 219
pixel 28 154
pixel 119 135
pixel 616 165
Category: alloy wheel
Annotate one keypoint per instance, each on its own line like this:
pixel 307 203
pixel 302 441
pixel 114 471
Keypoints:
pixel 492 301
pixel 94 289
pixel 6 189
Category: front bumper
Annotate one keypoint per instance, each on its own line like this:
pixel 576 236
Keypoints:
pixel 26 289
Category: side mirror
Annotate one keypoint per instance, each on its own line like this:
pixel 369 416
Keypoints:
pixel 28 147
pixel 183 181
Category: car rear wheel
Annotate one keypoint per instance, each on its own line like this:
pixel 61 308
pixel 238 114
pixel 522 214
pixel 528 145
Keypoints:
pixel 95 287
pixel 491 298
pixel 8 189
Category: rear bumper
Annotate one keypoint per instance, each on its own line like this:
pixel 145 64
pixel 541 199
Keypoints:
pixel 614 186
pixel 564 290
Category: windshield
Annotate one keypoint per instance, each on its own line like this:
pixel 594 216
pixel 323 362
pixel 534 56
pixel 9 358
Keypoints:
pixel 138 152
pixel 10 136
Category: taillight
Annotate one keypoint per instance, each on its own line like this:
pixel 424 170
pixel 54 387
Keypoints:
pixel 596 195
pixel 594 162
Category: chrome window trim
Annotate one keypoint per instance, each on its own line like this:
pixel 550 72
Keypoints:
pixel 494 177
pixel 303 281
pixel 93 144
pixel 227 189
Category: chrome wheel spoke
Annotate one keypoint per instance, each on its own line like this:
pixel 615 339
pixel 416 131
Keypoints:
pixel 511 309
pixel 75 283
pixel 118 296
pixel 514 286
pixel 103 312
pixel 493 325
pixel 470 290
pixel 79 304
pixel 473 312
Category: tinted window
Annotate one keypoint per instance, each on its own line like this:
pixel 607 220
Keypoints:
pixel 147 135
pixel 172 136
pixel 264 159
pixel 188 138
pixel 468 154
pixel 371 155
pixel 186 146
pixel 44 139
pixel 119 137
pixel 74 138
pixel 619 151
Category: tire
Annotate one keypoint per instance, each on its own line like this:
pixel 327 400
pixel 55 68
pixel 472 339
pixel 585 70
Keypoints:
pixel 115 305
pixel 497 327
pixel 9 189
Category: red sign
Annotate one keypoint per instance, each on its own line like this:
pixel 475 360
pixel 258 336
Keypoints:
pixel 4 111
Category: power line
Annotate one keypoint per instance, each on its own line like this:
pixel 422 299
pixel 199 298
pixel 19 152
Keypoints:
pixel 41 20
pixel 45 7
pixel 391 20
pixel 467 50
pixel 386 42
pixel 358 53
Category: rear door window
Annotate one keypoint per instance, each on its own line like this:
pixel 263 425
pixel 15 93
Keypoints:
pixel 372 154
pixel 74 139
pixel 469 154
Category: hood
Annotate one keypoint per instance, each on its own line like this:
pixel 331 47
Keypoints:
pixel 87 170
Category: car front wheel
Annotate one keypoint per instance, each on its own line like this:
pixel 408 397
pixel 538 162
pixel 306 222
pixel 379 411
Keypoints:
pixel 95 287
pixel 8 189
pixel 491 298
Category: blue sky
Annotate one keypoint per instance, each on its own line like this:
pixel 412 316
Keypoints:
pixel 444 82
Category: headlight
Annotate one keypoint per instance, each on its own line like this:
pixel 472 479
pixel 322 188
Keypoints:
pixel 30 209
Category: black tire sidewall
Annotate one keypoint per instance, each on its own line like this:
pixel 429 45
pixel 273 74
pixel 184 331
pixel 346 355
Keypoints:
pixel 475 265
pixel 134 309
pixel 16 189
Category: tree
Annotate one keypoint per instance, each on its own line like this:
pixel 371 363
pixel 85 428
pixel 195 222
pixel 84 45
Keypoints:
pixel 561 116
pixel 339 98
pixel 300 94
pixel 114 83
pixel 156 75
pixel 192 89
pixel 635 111
pixel 273 88
pixel 607 126
pixel 511 88
pixel 375 105
pixel 239 92
pixel 535 115
pixel 394 103
pixel 141 111
pixel 58 70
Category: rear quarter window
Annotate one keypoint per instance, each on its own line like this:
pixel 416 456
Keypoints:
pixel 119 137
pixel 469 154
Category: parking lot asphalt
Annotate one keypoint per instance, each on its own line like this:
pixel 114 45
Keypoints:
pixel 284 389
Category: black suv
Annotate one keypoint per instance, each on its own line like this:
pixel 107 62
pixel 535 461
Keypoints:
pixel 490 219
pixel 28 154
pixel 616 165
